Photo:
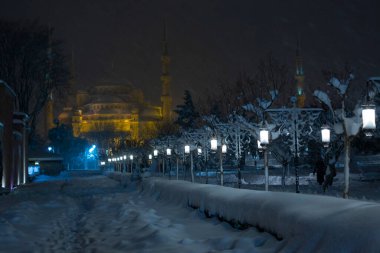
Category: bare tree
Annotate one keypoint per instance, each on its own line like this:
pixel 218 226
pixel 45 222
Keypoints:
pixel 272 75
pixel 269 76
pixel 32 62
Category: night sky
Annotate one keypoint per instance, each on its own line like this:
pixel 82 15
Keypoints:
pixel 209 41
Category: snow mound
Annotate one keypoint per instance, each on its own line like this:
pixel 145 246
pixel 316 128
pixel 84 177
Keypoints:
pixel 307 223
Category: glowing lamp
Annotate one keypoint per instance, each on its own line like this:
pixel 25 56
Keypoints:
pixel 264 137
pixel 259 145
pixel 168 151
pixel 150 157
pixel 214 144
pixel 369 119
pixel 325 134
pixel 199 150
pixel 131 157
pixel 224 148
pixel 187 149
pixel 155 153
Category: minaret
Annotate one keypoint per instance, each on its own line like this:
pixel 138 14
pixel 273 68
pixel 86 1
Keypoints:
pixel 166 98
pixel 300 78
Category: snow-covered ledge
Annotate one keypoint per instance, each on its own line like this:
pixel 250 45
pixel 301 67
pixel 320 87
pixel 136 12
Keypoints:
pixel 307 223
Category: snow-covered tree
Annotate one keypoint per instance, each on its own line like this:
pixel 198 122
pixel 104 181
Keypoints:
pixel 345 123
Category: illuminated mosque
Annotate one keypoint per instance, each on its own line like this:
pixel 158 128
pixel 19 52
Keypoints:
pixel 116 108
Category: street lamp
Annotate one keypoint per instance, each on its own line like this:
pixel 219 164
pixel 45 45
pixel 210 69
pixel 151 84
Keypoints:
pixel 224 149
pixel 150 157
pixel 214 143
pixel 264 136
pixel 187 149
pixel 369 119
pixel 131 159
pixel 168 154
pixel 222 152
pixel 264 141
pixel 199 151
pixel 325 134
pixel 155 153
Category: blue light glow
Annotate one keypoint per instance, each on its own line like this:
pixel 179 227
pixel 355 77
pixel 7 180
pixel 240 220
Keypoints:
pixel 91 154
pixel 32 170
pixel 92 148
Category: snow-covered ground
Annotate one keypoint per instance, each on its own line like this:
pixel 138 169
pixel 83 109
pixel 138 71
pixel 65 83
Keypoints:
pixel 307 223
pixel 94 213
pixel 368 190
pixel 98 214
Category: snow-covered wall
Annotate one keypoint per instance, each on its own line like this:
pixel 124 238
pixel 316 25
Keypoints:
pixel 307 223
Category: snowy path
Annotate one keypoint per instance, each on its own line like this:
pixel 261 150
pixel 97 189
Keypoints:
pixel 97 214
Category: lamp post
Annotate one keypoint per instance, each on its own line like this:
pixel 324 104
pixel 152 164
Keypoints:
pixel 150 158
pixel 131 159
pixel 213 148
pixel 187 153
pixel 223 151
pixel 168 154
pixel 155 155
pixel 264 142
pixel 125 163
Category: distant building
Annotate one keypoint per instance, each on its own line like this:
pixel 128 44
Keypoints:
pixel 113 108
pixel 13 140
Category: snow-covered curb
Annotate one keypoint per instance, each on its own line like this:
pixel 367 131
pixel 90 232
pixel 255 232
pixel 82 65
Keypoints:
pixel 308 223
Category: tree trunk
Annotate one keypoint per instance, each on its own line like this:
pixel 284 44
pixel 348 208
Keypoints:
pixel 192 167
pixel 347 144
pixel 206 171
pixel 177 168
pixel 163 167
pixel 283 176
pixel 266 170
pixel 221 168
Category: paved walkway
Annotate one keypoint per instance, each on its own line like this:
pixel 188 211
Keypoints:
pixel 97 214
